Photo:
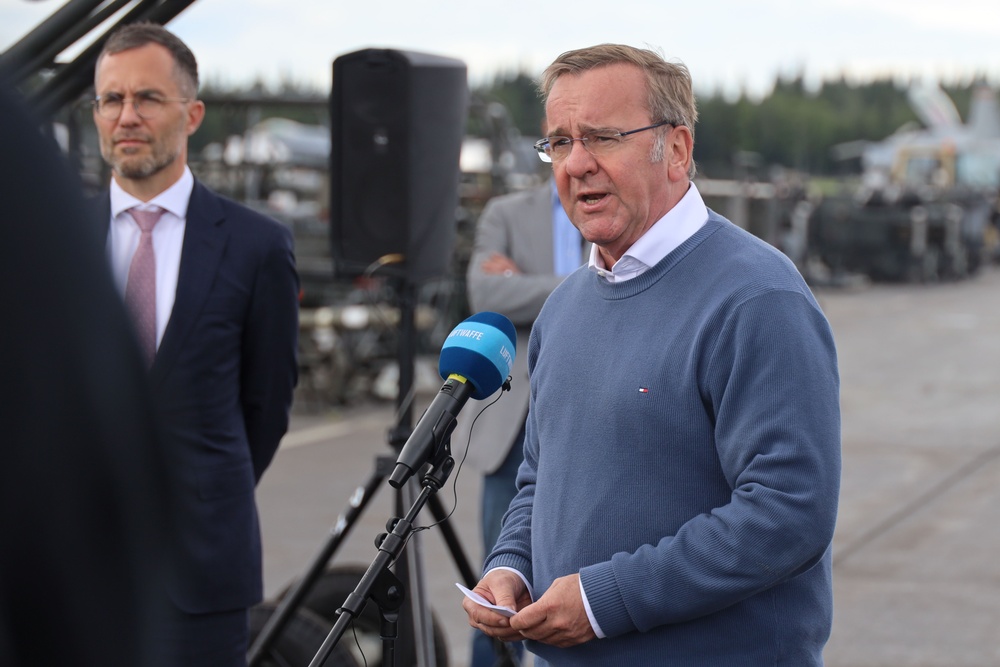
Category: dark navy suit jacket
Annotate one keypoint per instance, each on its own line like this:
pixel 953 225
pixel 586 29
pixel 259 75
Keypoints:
pixel 222 384
pixel 82 484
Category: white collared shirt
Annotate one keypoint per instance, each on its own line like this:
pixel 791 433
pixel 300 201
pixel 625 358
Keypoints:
pixel 168 239
pixel 666 234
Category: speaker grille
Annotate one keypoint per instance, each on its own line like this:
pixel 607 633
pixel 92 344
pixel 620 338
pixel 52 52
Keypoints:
pixel 398 119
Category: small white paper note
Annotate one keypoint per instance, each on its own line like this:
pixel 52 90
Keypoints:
pixel 479 599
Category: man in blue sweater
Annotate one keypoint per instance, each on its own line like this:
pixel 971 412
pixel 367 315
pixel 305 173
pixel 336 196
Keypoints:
pixel 678 497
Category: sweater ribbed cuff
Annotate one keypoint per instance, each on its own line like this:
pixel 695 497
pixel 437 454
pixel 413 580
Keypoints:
pixel 605 599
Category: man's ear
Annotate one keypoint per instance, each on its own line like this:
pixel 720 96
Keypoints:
pixel 679 152
pixel 196 114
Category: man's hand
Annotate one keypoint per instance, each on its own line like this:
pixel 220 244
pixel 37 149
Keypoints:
pixel 558 618
pixel 503 588
pixel 498 264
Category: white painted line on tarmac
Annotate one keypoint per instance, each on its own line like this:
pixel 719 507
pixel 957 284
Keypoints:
pixel 316 434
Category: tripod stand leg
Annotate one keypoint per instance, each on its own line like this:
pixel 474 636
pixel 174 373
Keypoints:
pixel 293 599
pixel 419 610
pixel 461 561
pixel 504 651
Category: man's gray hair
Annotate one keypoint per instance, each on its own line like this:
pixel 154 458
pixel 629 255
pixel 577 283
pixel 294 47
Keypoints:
pixel 670 96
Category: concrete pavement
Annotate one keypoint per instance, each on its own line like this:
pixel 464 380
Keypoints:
pixel 917 576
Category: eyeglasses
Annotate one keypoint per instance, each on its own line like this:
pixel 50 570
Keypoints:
pixel 146 105
pixel 597 142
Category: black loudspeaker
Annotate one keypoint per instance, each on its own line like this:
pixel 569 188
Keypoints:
pixel 397 123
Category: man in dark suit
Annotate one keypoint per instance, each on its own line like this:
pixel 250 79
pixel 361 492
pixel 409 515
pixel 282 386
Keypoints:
pixel 217 315
pixel 82 484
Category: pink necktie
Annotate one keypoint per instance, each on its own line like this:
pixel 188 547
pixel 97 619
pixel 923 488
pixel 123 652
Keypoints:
pixel 140 290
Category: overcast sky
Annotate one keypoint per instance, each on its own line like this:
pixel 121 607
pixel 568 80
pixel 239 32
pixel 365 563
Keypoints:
pixel 728 44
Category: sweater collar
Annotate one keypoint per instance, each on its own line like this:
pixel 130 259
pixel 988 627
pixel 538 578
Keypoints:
pixel 666 234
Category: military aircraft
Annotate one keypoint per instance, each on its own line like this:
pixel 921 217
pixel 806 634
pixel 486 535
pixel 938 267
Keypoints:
pixel 945 152
pixel 928 203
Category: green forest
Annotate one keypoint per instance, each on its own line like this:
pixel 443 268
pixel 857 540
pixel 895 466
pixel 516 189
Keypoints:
pixel 791 126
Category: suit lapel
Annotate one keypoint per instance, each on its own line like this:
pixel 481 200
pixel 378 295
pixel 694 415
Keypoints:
pixel 205 238
pixel 102 208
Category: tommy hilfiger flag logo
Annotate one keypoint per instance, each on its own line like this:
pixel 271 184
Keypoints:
pixel 643 390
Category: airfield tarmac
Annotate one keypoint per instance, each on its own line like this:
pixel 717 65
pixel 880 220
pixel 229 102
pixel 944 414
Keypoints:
pixel 916 570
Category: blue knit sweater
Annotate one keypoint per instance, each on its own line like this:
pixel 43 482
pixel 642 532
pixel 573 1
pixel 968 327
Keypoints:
pixel 683 455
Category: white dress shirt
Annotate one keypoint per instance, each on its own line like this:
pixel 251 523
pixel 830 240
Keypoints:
pixel 168 239
pixel 666 234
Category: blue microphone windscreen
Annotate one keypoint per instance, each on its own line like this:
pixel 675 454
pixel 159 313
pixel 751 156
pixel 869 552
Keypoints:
pixel 480 349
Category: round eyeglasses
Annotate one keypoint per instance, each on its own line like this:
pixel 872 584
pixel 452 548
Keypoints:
pixel 597 142
pixel 146 105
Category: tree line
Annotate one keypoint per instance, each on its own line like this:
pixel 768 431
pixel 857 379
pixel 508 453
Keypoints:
pixel 792 125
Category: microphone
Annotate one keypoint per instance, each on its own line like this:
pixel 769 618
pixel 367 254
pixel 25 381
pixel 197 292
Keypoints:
pixel 475 361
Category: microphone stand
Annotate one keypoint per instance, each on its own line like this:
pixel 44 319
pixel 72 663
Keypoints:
pixel 378 582
pixel 387 589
